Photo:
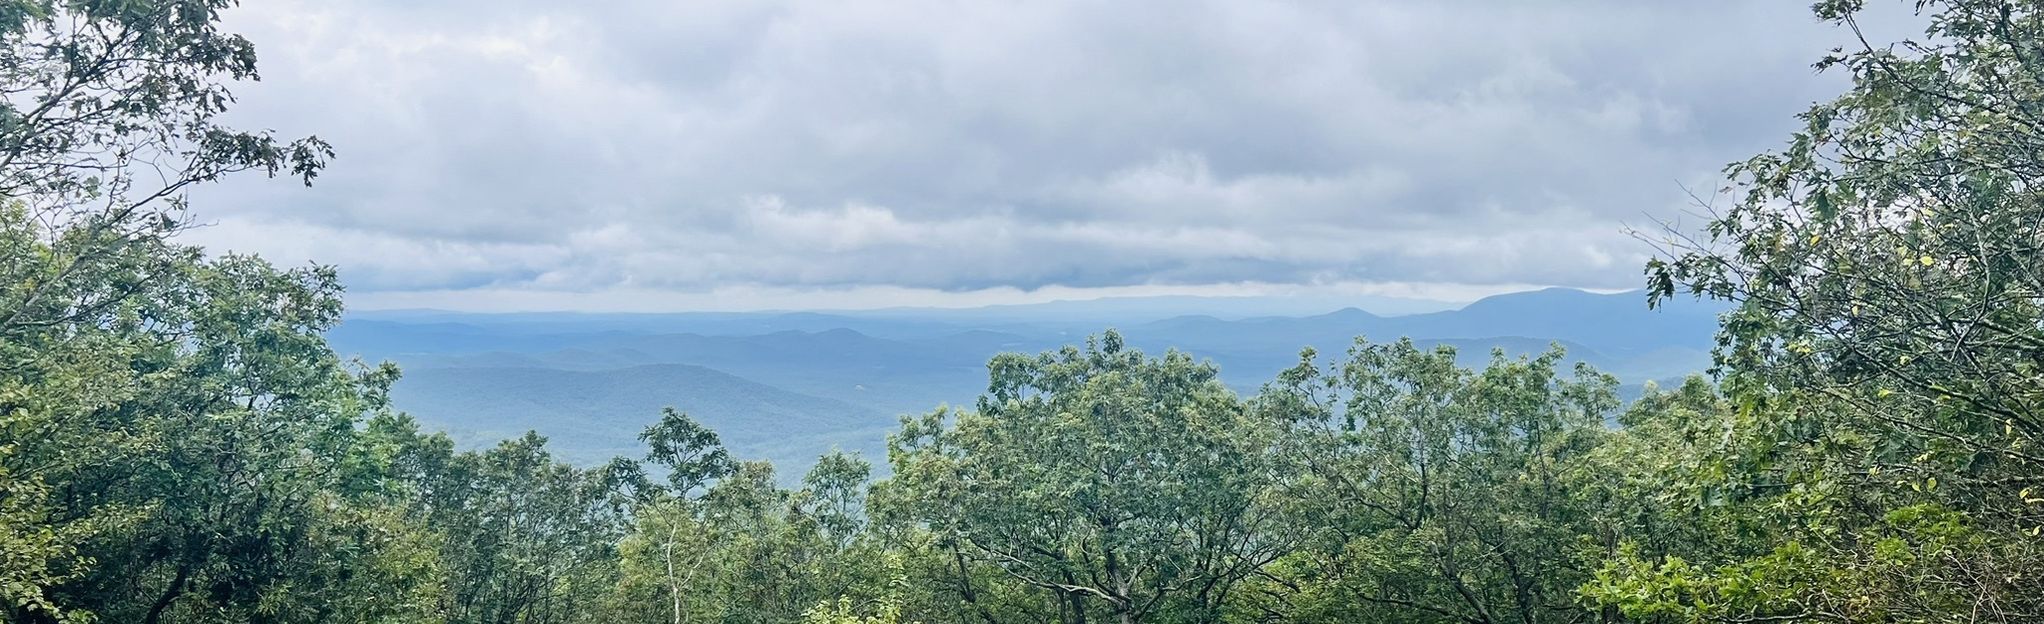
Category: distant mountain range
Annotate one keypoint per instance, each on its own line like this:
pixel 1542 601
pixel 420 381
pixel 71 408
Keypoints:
pixel 788 386
pixel 598 414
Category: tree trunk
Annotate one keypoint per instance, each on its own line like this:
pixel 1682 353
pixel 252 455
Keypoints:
pixel 170 594
pixel 673 587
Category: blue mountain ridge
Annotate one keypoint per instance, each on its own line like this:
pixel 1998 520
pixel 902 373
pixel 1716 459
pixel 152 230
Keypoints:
pixel 789 386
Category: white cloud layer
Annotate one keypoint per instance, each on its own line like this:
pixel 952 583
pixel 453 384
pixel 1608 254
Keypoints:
pixel 656 155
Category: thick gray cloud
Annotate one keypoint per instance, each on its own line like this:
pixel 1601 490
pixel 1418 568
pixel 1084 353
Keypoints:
pixel 523 153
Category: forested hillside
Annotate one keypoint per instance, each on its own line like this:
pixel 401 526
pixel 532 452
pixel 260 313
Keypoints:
pixel 180 441
pixel 843 379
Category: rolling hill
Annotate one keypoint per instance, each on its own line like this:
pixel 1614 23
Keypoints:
pixel 593 415
pixel 789 385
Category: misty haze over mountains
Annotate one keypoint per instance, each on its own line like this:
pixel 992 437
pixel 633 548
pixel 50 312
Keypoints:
pixel 788 386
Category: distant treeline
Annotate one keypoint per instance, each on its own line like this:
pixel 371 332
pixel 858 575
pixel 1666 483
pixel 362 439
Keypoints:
pixel 178 443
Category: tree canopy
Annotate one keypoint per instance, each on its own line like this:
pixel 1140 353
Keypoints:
pixel 178 443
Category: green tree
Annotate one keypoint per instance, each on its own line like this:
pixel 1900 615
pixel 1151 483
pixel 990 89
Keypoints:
pixel 1883 358
pixel 111 111
pixel 180 453
pixel 528 539
pixel 1440 493
pixel 670 542
pixel 885 609
pixel 1104 482
pixel 691 453
pixel 743 550
pixel 109 119
pixel 834 495
pixel 768 555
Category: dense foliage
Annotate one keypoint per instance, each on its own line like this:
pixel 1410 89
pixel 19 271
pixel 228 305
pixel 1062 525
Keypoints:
pixel 179 444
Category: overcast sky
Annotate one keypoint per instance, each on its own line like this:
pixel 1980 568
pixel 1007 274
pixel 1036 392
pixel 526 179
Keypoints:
pixel 659 155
